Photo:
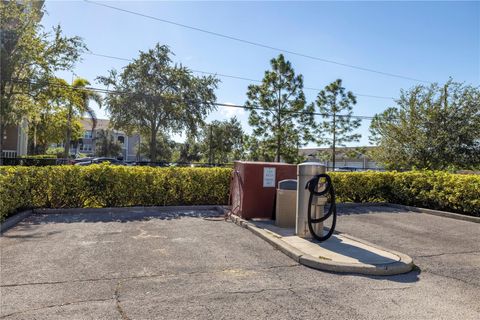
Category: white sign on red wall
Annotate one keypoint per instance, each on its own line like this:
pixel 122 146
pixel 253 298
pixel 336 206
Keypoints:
pixel 268 177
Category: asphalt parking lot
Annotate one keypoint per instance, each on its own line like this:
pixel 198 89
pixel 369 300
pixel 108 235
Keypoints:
pixel 177 266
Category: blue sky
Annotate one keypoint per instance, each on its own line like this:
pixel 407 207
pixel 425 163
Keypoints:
pixel 424 40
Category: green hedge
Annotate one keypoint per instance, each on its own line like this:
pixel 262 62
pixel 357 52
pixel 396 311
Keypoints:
pixel 427 189
pixel 40 156
pixel 116 186
pixel 110 186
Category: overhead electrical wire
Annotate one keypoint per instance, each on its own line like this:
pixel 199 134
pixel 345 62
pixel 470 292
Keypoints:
pixel 258 44
pixel 219 104
pixel 236 77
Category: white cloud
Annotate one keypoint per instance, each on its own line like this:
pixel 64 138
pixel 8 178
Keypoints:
pixel 231 111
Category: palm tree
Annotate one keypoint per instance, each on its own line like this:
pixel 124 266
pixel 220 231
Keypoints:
pixel 78 99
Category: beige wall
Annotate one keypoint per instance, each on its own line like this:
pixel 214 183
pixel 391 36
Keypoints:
pixel 15 139
pixel 12 138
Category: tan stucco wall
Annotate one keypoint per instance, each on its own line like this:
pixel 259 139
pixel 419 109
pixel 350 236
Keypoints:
pixel 12 138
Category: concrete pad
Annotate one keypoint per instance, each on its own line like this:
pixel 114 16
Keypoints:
pixel 340 253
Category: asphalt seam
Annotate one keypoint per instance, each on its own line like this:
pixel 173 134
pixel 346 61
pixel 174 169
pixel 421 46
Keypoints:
pixel 392 288
pixel 239 292
pixel 451 278
pixel 256 291
pixel 55 305
pixel 139 277
pixel 447 253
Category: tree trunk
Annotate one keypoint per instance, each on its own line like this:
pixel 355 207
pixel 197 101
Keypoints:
pixel 139 158
pixel 279 140
pixel 34 142
pixel 1 140
pixel 153 146
pixel 334 140
pixel 68 135
pixel 210 150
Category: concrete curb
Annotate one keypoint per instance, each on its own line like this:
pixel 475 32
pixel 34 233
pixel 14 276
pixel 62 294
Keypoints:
pixel 438 213
pixel 403 266
pixel 13 220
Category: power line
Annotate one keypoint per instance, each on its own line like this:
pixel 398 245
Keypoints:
pixel 257 44
pixel 237 77
pixel 218 104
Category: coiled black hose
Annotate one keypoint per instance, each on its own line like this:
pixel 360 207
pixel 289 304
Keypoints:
pixel 312 186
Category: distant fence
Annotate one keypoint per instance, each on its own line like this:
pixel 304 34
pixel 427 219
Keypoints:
pixel 40 162
pixel 180 164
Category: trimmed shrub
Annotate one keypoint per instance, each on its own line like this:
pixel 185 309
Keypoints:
pixel 109 186
pixel 118 186
pixel 427 189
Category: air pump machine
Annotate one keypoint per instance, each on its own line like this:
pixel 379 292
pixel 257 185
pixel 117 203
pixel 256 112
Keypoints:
pixel 314 191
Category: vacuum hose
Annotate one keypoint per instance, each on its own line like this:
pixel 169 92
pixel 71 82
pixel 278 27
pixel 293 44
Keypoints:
pixel 312 186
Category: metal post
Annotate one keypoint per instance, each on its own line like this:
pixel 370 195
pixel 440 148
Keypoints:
pixel 305 172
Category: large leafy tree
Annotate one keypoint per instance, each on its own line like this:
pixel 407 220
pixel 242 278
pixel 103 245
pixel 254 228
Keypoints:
pixel 335 106
pixel 432 127
pixel 164 148
pixel 153 95
pixel 57 110
pixel 222 141
pixel 279 114
pixel 29 56
pixel 49 126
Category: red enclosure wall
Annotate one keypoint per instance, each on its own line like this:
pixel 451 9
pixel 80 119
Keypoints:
pixel 254 185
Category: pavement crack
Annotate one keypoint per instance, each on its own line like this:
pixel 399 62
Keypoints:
pixel 180 274
pixel 117 303
pixel 447 253
pixel 256 291
pixel 392 288
pixel 282 266
pixel 54 305
pixel 452 278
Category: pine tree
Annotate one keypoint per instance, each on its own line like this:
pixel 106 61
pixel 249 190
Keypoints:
pixel 336 106
pixel 279 114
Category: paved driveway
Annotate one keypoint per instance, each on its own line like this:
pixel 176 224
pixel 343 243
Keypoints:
pixel 177 266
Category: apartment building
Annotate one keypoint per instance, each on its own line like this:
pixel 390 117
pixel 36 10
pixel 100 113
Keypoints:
pixel 15 140
pixel 87 143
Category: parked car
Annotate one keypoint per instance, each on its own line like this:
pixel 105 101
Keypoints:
pixel 151 164
pixel 347 169
pixel 99 160
pixel 77 160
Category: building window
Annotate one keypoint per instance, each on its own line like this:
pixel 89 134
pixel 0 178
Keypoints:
pixel 86 147
pixel 87 134
pixel 121 139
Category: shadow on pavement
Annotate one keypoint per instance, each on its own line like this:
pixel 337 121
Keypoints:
pixel 346 209
pixel 112 216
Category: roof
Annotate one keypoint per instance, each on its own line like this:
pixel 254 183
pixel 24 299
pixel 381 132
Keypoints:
pixel 338 149
pixel 102 124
